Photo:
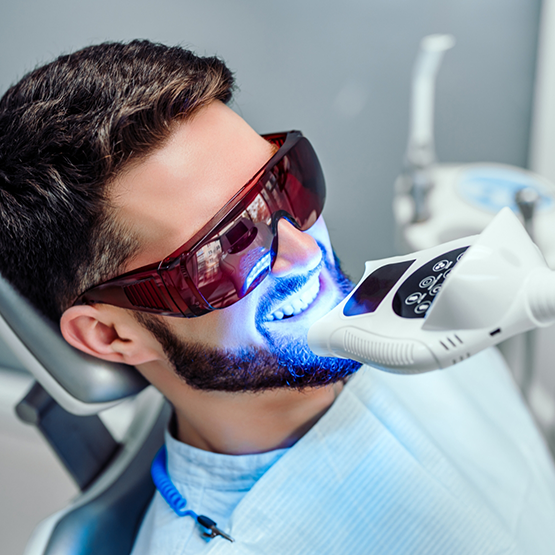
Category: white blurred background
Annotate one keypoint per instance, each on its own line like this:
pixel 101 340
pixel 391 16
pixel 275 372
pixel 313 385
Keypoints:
pixel 340 72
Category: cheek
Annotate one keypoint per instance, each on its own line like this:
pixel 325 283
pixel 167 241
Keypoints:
pixel 230 328
pixel 319 232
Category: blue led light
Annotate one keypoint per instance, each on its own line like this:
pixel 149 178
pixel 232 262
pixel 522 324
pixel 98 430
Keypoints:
pixel 261 266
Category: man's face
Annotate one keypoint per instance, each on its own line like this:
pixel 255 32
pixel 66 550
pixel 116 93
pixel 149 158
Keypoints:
pixel 260 341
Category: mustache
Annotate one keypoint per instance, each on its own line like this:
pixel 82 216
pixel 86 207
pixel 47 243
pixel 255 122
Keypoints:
pixel 284 288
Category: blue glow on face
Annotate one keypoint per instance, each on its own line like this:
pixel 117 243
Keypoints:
pixel 286 360
pixel 260 267
pixel 300 366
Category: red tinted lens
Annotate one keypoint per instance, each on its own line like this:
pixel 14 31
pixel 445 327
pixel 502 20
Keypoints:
pixel 239 252
pixel 225 275
pixel 300 184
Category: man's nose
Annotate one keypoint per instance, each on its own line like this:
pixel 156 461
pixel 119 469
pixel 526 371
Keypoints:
pixel 297 252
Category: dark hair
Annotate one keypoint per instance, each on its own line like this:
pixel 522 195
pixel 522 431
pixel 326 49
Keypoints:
pixel 66 130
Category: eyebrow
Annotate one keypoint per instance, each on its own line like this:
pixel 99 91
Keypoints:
pixel 275 148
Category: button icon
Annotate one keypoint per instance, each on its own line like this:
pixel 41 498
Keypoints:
pixel 422 307
pixel 415 298
pixel 427 282
pixel 441 265
pixel 435 290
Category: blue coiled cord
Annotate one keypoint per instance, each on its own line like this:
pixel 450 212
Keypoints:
pixel 174 499
pixel 165 486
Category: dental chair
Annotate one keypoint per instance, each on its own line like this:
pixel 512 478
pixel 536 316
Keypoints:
pixel 70 390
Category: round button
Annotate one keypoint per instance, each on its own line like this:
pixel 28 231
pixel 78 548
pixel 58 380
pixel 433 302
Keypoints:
pixel 441 265
pixel 435 290
pixel 427 282
pixel 460 256
pixel 446 273
pixel 415 298
pixel 422 307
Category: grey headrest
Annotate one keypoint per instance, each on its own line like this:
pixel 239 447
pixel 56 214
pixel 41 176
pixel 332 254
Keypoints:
pixel 80 383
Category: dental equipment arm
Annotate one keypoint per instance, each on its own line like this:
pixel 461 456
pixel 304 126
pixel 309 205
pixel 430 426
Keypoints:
pixel 420 155
pixel 420 148
pixel 436 307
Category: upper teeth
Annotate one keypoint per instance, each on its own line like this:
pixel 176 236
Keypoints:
pixel 297 302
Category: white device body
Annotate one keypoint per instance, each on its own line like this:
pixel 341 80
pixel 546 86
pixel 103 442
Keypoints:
pixel 460 304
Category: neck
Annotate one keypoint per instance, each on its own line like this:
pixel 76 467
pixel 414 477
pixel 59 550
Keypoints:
pixel 242 423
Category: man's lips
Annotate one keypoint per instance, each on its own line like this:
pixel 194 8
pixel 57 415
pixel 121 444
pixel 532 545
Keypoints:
pixel 297 302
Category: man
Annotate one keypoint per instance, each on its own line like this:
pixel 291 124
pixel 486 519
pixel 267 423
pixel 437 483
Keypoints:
pixel 163 232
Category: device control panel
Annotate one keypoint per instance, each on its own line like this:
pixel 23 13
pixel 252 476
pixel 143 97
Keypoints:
pixel 415 296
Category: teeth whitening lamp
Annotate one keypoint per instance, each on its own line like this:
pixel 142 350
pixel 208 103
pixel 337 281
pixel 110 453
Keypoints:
pixel 436 307
pixel 437 202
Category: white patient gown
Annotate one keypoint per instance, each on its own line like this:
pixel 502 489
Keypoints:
pixel 442 463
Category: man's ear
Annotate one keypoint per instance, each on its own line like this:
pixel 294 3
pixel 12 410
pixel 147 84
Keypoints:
pixel 108 333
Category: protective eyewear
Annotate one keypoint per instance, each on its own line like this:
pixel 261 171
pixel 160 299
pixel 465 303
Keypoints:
pixel 236 249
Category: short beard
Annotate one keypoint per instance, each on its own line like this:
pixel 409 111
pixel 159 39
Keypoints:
pixel 286 362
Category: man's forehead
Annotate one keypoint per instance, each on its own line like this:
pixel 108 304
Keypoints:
pixel 169 195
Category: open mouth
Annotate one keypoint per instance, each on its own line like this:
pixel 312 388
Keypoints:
pixel 298 302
